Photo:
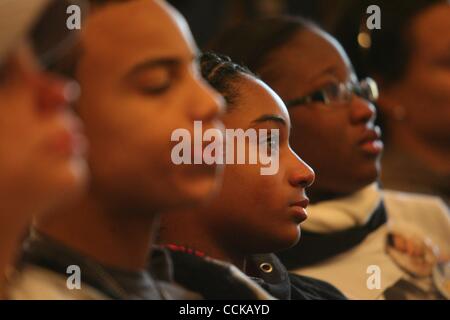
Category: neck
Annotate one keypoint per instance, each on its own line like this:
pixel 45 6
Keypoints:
pixel 9 247
pixel 113 237
pixel 198 236
pixel 13 225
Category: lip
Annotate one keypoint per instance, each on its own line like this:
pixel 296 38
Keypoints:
pixel 370 141
pixel 68 144
pixel 299 210
pixel 302 203
pixel 69 141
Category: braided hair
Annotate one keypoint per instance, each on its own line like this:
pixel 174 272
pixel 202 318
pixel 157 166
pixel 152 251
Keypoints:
pixel 222 74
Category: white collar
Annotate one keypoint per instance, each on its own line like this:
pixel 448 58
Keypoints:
pixel 343 213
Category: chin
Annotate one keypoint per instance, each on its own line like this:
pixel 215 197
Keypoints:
pixel 286 239
pixel 294 239
pixel 65 184
pixel 367 174
pixel 370 176
pixel 190 193
pixel 197 187
pixel 201 191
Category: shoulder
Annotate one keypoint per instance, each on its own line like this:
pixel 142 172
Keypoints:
pixel 35 283
pixel 414 201
pixel 418 208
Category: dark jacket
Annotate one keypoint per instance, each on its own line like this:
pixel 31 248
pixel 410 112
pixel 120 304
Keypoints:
pixel 50 255
pixel 268 271
pixel 212 281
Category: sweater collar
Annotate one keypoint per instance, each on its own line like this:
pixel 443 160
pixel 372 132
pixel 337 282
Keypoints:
pixel 343 213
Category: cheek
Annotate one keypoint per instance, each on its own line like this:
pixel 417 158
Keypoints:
pixel 427 97
pixel 257 192
pixel 24 135
pixel 320 138
pixel 123 145
pixel 428 84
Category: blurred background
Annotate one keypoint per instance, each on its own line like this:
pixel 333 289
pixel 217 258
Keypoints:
pixel 207 18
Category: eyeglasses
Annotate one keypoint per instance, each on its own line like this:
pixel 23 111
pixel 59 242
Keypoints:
pixel 339 93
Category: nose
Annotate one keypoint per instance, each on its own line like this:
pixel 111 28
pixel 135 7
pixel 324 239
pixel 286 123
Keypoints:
pixel 53 93
pixel 362 111
pixel 207 105
pixel 302 174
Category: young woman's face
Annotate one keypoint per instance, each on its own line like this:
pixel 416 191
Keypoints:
pixel 41 147
pixel 140 82
pixel 424 90
pixel 339 140
pixel 254 212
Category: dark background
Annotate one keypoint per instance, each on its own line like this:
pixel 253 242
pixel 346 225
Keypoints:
pixel 209 17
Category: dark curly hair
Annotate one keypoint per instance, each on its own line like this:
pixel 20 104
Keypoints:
pixel 252 42
pixel 222 74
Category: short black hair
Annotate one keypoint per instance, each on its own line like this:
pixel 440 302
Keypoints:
pixel 389 53
pixel 222 74
pixel 251 42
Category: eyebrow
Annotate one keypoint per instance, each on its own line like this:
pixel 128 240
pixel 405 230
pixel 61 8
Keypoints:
pixel 270 118
pixel 330 70
pixel 150 64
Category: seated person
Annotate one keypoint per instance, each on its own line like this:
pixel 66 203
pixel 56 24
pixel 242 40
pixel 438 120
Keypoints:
pixel 42 163
pixel 254 213
pixel 410 60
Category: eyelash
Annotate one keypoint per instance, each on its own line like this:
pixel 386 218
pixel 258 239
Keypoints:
pixel 161 87
pixel 156 90
pixel 274 146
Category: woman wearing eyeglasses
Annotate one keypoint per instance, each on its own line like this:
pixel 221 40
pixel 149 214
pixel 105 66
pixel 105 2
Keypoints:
pixel 41 145
pixel 368 242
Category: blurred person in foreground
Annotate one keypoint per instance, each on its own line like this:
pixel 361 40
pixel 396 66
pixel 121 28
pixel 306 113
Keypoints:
pixel 42 164
pixel 138 72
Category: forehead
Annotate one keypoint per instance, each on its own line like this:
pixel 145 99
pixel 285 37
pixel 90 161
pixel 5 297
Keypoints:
pixel 309 53
pixel 431 29
pixel 137 30
pixel 313 49
pixel 258 98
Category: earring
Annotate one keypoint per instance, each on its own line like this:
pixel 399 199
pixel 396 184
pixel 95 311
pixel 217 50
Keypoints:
pixel 399 113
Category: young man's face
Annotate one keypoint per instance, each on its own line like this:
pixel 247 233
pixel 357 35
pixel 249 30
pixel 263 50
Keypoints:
pixel 139 81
